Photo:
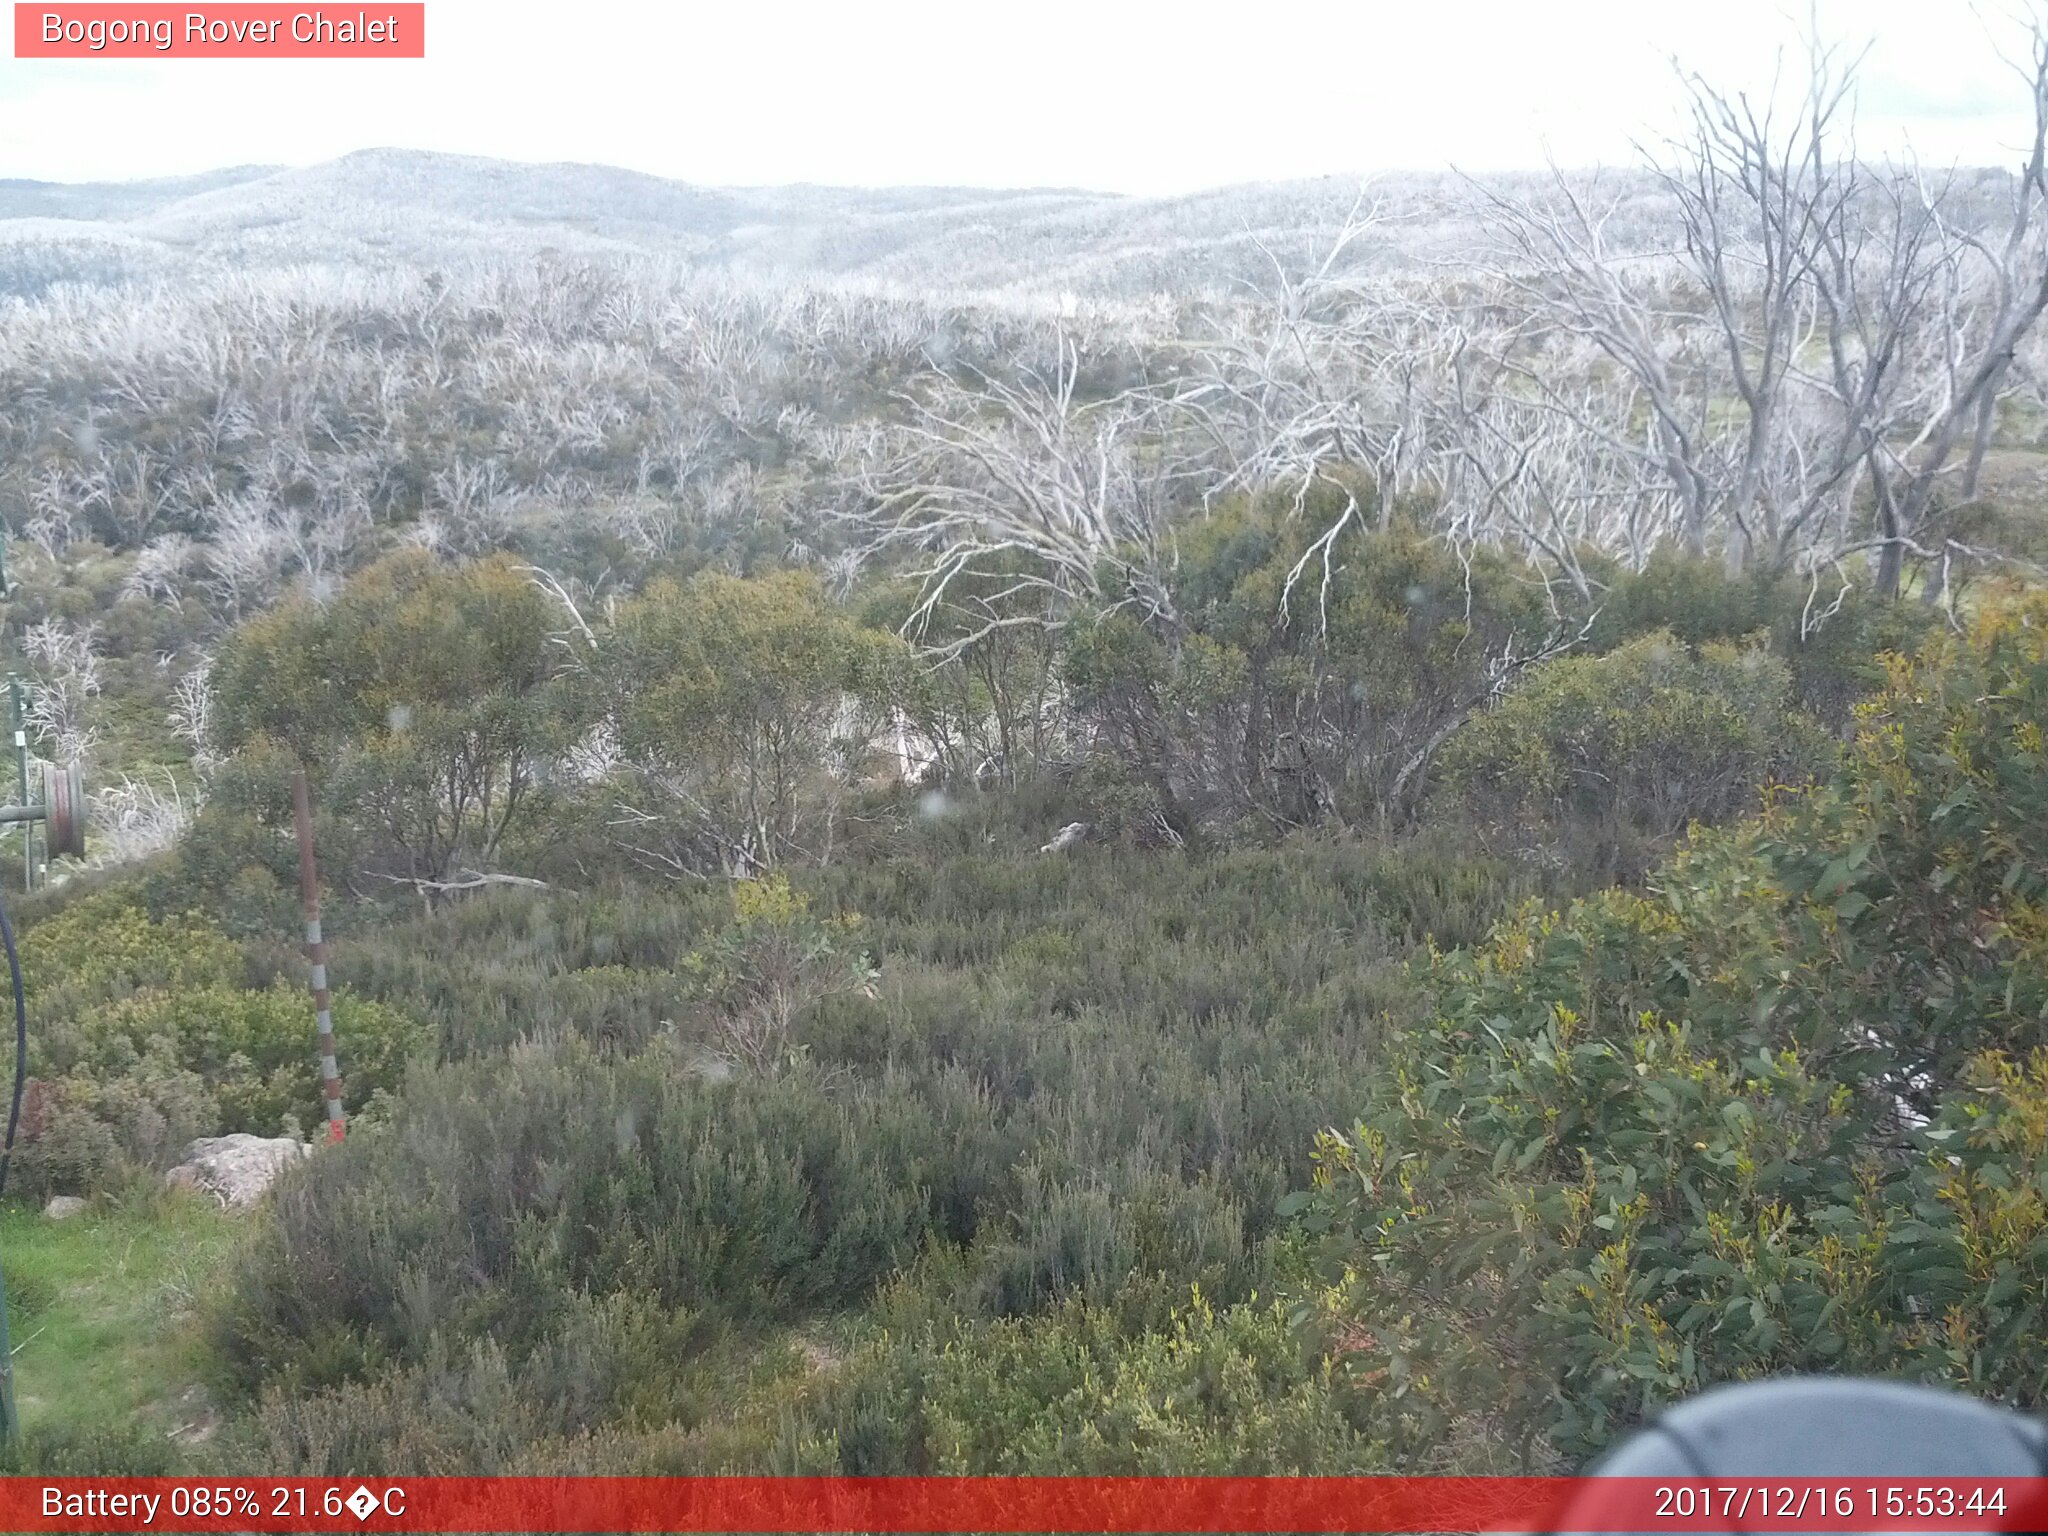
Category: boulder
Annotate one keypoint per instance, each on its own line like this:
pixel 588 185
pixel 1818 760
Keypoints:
pixel 61 1206
pixel 236 1169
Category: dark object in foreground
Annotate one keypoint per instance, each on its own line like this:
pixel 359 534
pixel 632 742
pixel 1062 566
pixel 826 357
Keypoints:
pixel 1827 1427
pixel 1832 1427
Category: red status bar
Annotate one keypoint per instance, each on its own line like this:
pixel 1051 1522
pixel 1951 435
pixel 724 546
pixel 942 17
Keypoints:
pixel 1020 1504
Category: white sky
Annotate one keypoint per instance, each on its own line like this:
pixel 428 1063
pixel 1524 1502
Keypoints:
pixel 1123 95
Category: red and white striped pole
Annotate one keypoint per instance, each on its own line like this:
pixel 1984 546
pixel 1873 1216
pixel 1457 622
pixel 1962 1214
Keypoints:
pixel 316 954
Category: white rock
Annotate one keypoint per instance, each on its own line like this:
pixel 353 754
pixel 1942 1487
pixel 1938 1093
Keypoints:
pixel 61 1206
pixel 236 1169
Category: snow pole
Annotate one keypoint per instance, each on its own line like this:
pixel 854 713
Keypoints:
pixel 316 954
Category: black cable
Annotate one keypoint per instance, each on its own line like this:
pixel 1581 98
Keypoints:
pixel 20 1043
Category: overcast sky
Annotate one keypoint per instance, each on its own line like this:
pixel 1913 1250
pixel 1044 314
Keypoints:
pixel 1122 95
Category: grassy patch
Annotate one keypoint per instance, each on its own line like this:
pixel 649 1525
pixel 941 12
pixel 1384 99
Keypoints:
pixel 103 1310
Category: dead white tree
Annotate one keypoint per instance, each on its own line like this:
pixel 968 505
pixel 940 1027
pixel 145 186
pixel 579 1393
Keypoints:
pixel 64 679
pixel 162 568
pixel 245 553
pixel 1990 287
pixel 1317 376
pixel 1027 485
pixel 1552 471
pixel 1828 331
pixel 191 714
pixel 136 818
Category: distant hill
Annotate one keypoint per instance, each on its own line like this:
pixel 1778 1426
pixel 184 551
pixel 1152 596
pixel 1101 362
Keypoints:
pixel 113 199
pixel 382 207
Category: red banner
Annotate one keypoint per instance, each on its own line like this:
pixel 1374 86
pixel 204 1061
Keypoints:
pixel 223 31
pixel 1021 1504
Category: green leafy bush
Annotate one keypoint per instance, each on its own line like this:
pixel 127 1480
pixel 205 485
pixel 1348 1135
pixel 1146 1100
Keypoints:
pixel 255 1051
pixel 469 1410
pixel 772 964
pixel 501 1189
pixel 142 1038
pixel 1215 1391
pixel 1297 690
pixel 746 709
pixel 1619 753
pixel 421 696
pixel 1832 638
pixel 1785 1113
pixel 108 947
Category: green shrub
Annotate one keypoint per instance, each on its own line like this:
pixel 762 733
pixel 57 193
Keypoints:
pixel 91 1132
pixel 745 709
pixel 143 1038
pixel 1831 638
pixel 1620 753
pixel 1214 1391
pixel 773 963
pixel 500 1189
pixel 138 1449
pixel 1790 1112
pixel 1295 691
pixel 1109 1234
pixel 108 947
pixel 513 965
pixel 421 697
pixel 469 1410
pixel 256 1050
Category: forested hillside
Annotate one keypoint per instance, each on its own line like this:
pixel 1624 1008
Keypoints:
pixel 980 832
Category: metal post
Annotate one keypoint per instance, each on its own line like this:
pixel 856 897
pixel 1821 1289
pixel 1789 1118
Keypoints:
pixel 11 1429
pixel 10 1423
pixel 28 831
pixel 316 953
